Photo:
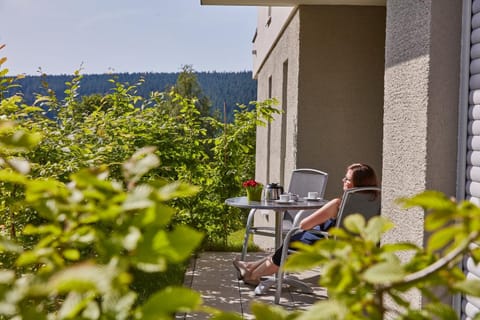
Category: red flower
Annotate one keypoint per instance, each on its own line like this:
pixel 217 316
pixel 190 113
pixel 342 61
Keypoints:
pixel 252 184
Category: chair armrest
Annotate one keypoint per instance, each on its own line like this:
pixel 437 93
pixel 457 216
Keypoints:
pixel 319 232
pixel 302 214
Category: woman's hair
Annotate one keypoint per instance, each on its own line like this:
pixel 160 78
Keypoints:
pixel 363 175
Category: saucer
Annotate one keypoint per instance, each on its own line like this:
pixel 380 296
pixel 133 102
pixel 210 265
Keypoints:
pixel 312 199
pixel 282 201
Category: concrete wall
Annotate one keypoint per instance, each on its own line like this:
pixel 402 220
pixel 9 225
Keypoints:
pixel 340 118
pixel 276 155
pixel 269 163
pixel 420 112
pixel 332 98
pixel 334 110
pixel 270 22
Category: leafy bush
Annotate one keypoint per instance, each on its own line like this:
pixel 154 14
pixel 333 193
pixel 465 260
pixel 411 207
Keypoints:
pixel 80 224
pixel 361 274
pixel 106 130
pixel 93 233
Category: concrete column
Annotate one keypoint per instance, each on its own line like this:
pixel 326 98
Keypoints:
pixel 420 109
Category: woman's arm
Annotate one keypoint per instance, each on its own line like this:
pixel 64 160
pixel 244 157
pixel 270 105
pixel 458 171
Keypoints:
pixel 326 212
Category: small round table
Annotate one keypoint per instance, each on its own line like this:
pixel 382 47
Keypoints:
pixel 279 208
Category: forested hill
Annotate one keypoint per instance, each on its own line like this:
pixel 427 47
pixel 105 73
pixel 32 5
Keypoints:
pixel 219 87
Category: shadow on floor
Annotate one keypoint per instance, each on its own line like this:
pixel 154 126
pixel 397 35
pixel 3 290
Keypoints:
pixel 213 275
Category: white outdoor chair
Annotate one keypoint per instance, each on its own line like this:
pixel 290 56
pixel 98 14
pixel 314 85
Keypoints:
pixel 365 200
pixel 301 182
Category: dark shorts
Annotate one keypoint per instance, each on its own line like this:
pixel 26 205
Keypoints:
pixel 306 237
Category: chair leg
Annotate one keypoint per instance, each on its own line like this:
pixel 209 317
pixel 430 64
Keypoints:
pixel 248 227
pixel 280 272
pixel 278 289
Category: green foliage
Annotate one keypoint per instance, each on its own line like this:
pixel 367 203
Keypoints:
pixel 187 86
pixel 6 83
pixel 191 147
pixel 93 232
pixel 98 193
pixel 360 274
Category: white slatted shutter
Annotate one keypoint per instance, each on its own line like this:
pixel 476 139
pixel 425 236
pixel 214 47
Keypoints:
pixel 471 305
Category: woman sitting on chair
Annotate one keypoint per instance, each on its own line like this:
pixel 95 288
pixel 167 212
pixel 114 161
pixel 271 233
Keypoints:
pixel 357 175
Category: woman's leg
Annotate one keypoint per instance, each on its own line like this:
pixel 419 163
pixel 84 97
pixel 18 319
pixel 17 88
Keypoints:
pixel 272 263
pixel 266 268
pixel 250 266
pixel 243 266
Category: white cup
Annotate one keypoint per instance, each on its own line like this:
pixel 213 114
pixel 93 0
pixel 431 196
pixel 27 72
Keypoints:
pixel 293 196
pixel 312 195
pixel 284 197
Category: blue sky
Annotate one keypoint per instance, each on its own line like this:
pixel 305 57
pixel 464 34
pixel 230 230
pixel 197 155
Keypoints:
pixel 102 36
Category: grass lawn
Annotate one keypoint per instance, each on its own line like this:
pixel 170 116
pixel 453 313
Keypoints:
pixel 234 243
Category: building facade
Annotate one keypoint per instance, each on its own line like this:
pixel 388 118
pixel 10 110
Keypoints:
pixel 389 83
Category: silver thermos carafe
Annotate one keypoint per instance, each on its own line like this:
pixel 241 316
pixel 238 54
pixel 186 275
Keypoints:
pixel 272 191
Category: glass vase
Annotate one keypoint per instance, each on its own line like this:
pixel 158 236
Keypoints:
pixel 254 194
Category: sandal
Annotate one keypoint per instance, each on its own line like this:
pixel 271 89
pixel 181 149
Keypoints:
pixel 241 268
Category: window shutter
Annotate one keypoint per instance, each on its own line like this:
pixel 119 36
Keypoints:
pixel 471 305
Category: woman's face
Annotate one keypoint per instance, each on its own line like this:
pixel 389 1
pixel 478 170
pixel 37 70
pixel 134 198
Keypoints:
pixel 347 180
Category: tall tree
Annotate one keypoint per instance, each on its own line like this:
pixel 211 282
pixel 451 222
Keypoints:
pixel 187 85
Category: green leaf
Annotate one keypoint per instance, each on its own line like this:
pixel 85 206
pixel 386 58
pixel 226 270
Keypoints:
pixel 300 261
pixel 156 215
pixel 442 237
pixel 31 312
pixel 141 162
pixel 376 227
pixel 385 272
pixel 71 254
pixel 20 140
pixel 266 312
pixel 346 278
pixel 82 278
pixel 475 253
pixel 441 311
pixel 355 223
pixel 400 246
pixel 73 305
pixel 183 241
pixel 176 189
pixel 163 304
pixel 7 175
pixel 42 229
pixel 152 251
pixel 470 287
pixel 433 200
pixel 26 258
pixel 327 310
pixel 227 316
pixel 138 198
pixel 40 189
pixel 437 219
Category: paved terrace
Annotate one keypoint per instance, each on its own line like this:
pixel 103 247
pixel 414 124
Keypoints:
pixel 213 275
